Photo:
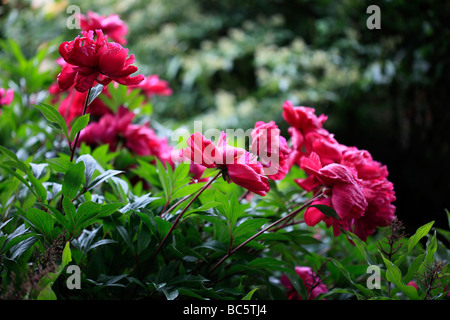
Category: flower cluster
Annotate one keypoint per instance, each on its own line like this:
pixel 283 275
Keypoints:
pixel 353 184
pixel 356 186
pixel 236 164
pixel 85 62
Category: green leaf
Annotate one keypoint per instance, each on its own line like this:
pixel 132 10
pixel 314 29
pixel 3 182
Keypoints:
pixel 41 192
pixel 40 220
pixel 18 249
pixel 79 125
pixel 18 235
pixel 165 178
pixel 187 190
pixel 38 168
pixel 429 254
pixel 249 295
pixel 18 176
pixel 205 207
pixel 326 210
pixel 101 178
pixel 162 226
pixel 47 294
pixel 66 256
pixel 70 211
pixel 268 263
pixel 230 209
pixel 73 179
pixel 362 247
pixel 126 237
pixel 60 164
pixel 94 93
pixel 17 163
pixel 52 115
pixel 58 215
pixel 348 276
pixel 420 233
pixel 413 267
pixel 250 225
pixel 394 275
pixel 89 167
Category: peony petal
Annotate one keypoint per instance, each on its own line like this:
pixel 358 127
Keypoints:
pixel 66 77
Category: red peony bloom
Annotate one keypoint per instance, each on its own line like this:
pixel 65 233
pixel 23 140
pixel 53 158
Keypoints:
pixel 271 148
pixel 306 130
pixel 325 146
pixel 196 171
pixel 313 284
pixel 237 165
pixel 360 192
pixel 347 197
pixel 152 86
pixel 143 141
pixel 380 211
pixel 303 119
pixel 363 163
pixel 378 191
pixel 112 25
pixel 90 61
pixel 117 129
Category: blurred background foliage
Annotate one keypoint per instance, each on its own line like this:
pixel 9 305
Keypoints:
pixel 232 63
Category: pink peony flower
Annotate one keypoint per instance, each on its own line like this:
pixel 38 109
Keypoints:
pixel 112 25
pixel 360 192
pixel 313 284
pixel 378 191
pixel 6 96
pixel 143 141
pixel 237 165
pixel 271 148
pixel 152 86
pixel 90 61
pixel 117 129
pixel 303 119
pixel 347 196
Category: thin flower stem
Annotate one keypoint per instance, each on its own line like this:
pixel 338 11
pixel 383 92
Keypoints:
pixel 244 195
pixel 175 205
pixel 182 213
pixel 74 146
pixel 290 215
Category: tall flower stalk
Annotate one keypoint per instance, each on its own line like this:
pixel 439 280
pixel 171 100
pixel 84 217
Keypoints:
pixel 273 224
pixel 175 223
pixel 73 145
